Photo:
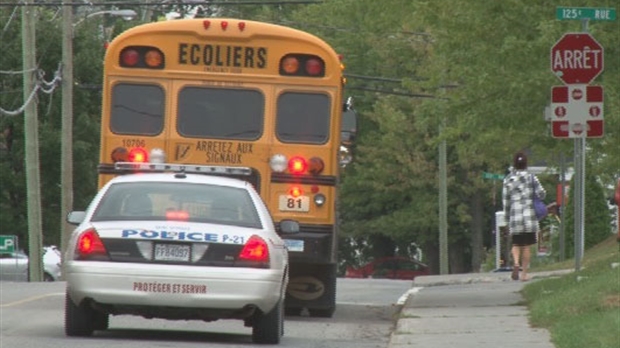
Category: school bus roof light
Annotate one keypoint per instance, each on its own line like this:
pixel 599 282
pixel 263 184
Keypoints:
pixel 142 57
pixel 153 59
pixel 241 26
pixel 130 58
pixel 297 165
pixel 314 67
pixel 224 25
pixel 290 65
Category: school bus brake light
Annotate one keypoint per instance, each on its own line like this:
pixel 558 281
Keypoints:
pixel 297 165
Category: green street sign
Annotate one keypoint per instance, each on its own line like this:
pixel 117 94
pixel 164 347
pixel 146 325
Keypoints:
pixel 7 244
pixel 492 176
pixel 592 13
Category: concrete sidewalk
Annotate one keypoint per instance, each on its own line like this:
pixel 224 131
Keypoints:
pixel 468 311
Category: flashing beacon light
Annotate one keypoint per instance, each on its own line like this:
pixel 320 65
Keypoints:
pixel 138 155
pixel 297 165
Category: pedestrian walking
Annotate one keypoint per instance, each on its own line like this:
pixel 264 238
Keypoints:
pixel 518 192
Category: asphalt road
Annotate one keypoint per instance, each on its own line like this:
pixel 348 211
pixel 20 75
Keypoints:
pixel 31 315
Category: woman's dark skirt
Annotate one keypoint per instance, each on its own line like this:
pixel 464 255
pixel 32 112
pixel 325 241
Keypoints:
pixel 524 239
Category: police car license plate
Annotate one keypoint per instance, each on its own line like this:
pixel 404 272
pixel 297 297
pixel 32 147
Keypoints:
pixel 290 203
pixel 172 252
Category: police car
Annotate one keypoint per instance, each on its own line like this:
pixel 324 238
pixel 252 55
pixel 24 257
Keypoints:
pixel 174 243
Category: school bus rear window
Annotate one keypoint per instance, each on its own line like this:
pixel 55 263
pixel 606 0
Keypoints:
pixel 220 113
pixel 303 118
pixel 137 109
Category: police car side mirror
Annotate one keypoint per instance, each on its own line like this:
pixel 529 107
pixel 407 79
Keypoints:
pixel 76 217
pixel 289 226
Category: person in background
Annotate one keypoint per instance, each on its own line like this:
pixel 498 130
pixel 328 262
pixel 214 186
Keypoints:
pixel 517 197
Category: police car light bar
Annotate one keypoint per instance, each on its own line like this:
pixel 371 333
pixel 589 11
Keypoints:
pixel 169 167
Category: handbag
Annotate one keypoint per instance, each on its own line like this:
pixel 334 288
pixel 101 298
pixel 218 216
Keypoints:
pixel 539 206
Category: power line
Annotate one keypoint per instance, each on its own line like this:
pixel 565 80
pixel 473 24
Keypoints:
pixel 155 4
pixel 46 87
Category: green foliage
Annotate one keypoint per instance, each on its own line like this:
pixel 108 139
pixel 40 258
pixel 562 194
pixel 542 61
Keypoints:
pixel 580 310
pixel 597 219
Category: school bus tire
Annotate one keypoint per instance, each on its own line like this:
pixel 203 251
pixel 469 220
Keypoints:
pixel 331 299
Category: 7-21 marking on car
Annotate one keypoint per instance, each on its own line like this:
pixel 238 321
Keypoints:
pixel 232 239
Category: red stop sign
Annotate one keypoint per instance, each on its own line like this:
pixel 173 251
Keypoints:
pixel 577 58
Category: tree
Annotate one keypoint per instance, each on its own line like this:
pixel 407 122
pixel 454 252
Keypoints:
pixel 597 226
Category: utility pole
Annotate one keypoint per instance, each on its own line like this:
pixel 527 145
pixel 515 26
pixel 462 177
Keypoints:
pixel 443 208
pixel 31 140
pixel 66 138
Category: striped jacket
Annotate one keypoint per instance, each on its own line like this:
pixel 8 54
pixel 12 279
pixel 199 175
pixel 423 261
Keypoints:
pixel 517 198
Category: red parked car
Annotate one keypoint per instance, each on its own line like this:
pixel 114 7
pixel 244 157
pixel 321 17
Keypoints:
pixel 389 267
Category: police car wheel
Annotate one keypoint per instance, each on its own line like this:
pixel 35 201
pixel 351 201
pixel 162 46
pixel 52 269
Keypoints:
pixel 101 321
pixel 268 328
pixel 78 319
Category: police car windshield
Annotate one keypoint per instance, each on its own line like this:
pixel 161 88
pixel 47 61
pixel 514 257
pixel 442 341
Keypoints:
pixel 162 201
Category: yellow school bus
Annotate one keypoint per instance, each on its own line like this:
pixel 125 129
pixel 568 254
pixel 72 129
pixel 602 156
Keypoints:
pixel 231 92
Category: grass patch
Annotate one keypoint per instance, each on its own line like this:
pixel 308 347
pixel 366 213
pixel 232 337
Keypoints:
pixel 581 309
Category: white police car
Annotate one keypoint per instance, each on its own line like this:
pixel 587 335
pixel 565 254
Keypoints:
pixel 177 246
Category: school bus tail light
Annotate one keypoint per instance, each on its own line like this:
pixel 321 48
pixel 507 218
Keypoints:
pixel 120 154
pixel 142 57
pixel 302 65
pixel 90 247
pixel 315 165
pixel 297 165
